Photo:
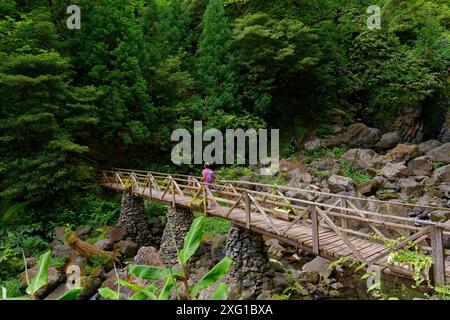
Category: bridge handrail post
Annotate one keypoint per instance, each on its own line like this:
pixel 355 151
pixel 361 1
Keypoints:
pixel 437 247
pixel 172 189
pixel 150 185
pixel 315 230
pixel 344 221
pixel 205 200
pixel 247 210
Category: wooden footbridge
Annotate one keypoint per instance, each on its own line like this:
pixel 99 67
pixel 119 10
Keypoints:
pixel 329 225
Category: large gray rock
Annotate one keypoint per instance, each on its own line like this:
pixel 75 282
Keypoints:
pixel 392 170
pixel 441 174
pixel 148 256
pixel 61 251
pixel 319 265
pixel 55 277
pixel 313 144
pixel 359 135
pixel 441 153
pixel 445 189
pixel 440 216
pixel 126 248
pixel 410 187
pixel 389 140
pixel 369 188
pixel 421 166
pixel 117 233
pixel 339 183
pixel 363 158
pixel 428 145
pixel 104 244
pixel 403 152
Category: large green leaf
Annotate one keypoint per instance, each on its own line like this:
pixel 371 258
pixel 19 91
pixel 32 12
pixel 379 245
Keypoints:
pixel 217 272
pixel 41 278
pixel 138 296
pixel 192 240
pixel 71 294
pixel 148 272
pixel 165 291
pixel 221 292
pixel 107 293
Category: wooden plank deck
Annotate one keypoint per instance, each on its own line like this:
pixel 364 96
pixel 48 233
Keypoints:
pixel 331 246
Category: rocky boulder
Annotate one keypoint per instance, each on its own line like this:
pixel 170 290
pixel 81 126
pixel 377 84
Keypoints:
pixel 117 233
pixel 318 265
pixel 392 170
pixel 359 135
pixel 421 166
pixel 297 176
pixel 338 184
pixel 388 141
pixel 55 276
pixel 312 144
pixel 403 152
pixel 126 248
pixel 104 244
pixel 363 158
pixel 410 187
pixel 440 215
pixel 387 194
pixel 148 256
pixel 441 175
pixel 426 146
pixel 369 188
pixel 441 153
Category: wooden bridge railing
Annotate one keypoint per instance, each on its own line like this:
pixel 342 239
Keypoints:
pixel 320 212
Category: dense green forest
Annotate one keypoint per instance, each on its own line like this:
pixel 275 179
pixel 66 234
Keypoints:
pixel 111 93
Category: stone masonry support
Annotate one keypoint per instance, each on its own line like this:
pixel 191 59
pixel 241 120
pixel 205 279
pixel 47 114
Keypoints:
pixel 180 220
pixel 250 271
pixel 134 219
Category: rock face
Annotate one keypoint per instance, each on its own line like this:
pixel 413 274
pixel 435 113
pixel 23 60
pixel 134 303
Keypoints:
pixel 428 145
pixel 359 135
pixel 134 219
pixel 410 187
pixel 388 141
pixel 441 153
pixel 392 170
pixel 421 166
pixel 338 184
pixel 180 221
pixel 363 158
pixel 403 152
pixel 250 271
pixel 441 175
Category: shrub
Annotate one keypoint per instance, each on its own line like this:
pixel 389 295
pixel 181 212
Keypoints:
pixel 13 287
pixel 350 170
pixel 234 172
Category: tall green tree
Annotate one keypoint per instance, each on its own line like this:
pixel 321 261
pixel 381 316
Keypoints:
pixel 214 60
pixel 45 120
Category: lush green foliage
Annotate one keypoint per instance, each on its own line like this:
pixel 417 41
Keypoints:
pixel 171 275
pixel 349 169
pixel 111 93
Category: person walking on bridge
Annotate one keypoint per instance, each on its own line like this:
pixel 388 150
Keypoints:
pixel 208 178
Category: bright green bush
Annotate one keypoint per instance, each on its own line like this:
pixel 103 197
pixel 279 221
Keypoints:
pixel 356 174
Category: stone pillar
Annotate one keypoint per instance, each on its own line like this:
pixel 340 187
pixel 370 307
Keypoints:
pixel 180 222
pixel 134 219
pixel 250 271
